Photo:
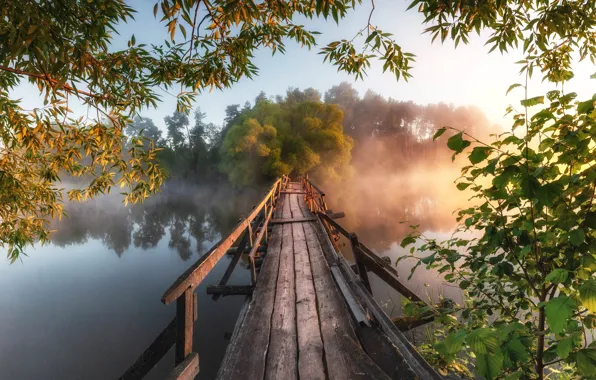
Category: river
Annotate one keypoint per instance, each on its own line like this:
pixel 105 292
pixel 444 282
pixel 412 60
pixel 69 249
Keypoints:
pixel 87 304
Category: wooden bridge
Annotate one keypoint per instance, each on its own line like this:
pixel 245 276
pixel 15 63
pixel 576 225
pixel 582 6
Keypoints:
pixel 308 313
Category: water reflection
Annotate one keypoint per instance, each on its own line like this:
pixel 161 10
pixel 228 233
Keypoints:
pixel 191 217
pixel 88 304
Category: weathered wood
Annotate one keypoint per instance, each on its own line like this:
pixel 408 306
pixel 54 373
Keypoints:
pixel 353 306
pixel 295 207
pixel 256 245
pixel 187 369
pixel 240 249
pixel 294 220
pixel 386 276
pixel 247 357
pixel 333 315
pixel 230 290
pixel 378 259
pixel 193 276
pixel 365 367
pixel 281 362
pixel 334 224
pixel 310 344
pixel 420 367
pixel 359 262
pixel 337 215
pixel 378 347
pixel 184 325
pixel 153 354
pixel 293 192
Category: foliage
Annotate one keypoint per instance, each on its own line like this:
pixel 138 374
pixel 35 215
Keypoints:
pixel 529 265
pixel 66 50
pixel 272 139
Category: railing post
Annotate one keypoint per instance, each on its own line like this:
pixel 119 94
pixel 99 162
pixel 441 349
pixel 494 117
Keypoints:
pixel 361 267
pixel 185 313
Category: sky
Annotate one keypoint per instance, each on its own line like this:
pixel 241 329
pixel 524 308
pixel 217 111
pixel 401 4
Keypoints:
pixel 466 76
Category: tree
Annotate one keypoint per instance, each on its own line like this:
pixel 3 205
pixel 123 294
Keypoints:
pixel 530 272
pixel 274 139
pixel 178 132
pixel 143 126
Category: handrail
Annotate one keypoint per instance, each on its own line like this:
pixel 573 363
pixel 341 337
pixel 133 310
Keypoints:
pixel 193 276
pixel 365 258
pixel 180 331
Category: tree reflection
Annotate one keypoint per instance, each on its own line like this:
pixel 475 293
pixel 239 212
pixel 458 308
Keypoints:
pixel 191 218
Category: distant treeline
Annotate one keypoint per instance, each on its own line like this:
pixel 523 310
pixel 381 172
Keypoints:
pixel 328 136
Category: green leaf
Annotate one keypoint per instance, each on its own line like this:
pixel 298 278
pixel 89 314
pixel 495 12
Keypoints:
pixel 577 236
pixel 586 361
pixel 557 276
pixel 591 219
pixel 462 185
pixel 454 342
pixel 558 311
pixel 587 294
pixel 593 76
pixel 407 241
pixel 532 101
pixel 585 107
pixel 457 143
pixel 483 341
pixel 564 347
pixel 479 154
pixel 489 366
pixel 517 351
pixel 438 133
pixel 515 85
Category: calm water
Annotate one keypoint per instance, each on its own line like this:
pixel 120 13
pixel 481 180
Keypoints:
pixel 86 305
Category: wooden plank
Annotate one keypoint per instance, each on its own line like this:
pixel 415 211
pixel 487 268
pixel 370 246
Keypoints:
pixel 310 344
pixel 184 325
pixel 230 290
pixel 256 246
pixel 287 212
pixel 281 360
pixel 379 260
pixel 193 276
pixel 378 347
pixel 334 224
pixel 356 310
pixel 293 192
pixel 187 370
pixel 387 277
pixel 295 206
pixel 359 262
pixel 365 367
pixel 153 354
pixel 247 357
pixel 293 220
pixel 420 367
pixel 333 315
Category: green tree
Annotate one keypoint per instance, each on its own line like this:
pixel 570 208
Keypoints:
pixel 528 262
pixel 272 139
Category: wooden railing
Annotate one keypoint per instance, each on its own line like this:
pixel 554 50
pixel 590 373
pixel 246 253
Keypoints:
pixel 364 257
pixel 251 233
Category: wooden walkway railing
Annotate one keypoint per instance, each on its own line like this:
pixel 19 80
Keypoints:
pixel 364 257
pixel 251 234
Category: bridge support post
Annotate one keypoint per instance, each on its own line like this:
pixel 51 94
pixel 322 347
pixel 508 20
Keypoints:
pixel 361 267
pixel 185 318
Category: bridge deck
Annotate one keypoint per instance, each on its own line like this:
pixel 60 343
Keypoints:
pixel 297 324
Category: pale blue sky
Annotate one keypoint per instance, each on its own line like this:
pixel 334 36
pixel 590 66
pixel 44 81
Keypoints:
pixel 467 75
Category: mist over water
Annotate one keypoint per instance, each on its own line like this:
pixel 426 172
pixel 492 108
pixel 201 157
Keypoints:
pixel 88 304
